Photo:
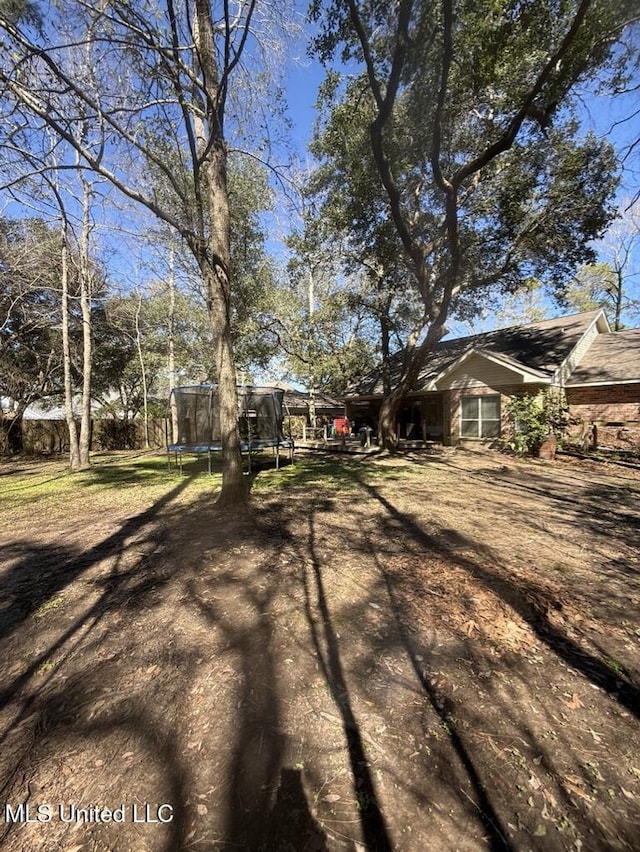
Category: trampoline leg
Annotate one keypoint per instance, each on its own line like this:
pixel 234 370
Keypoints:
pixel 209 455
pixel 277 458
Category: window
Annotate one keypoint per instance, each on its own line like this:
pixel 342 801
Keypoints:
pixel 480 417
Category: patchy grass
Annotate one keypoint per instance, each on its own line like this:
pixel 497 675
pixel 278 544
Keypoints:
pixel 48 606
pixel 429 652
pixel 123 481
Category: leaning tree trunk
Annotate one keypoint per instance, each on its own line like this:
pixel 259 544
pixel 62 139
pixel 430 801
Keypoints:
pixel 414 358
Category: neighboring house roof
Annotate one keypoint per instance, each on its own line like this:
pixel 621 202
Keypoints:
pixel 44 410
pixel 295 399
pixel 52 408
pixel 540 350
pixel 612 359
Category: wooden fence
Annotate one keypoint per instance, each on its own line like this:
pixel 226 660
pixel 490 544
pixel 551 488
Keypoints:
pixel 49 437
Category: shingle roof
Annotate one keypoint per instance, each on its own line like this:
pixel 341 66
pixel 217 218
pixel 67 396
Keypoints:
pixel 296 399
pixel 611 358
pixel 541 347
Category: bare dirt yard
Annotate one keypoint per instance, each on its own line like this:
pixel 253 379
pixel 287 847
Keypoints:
pixel 433 652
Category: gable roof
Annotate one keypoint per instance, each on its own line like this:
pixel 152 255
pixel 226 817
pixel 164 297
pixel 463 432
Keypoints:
pixel 540 349
pixel 498 358
pixel 612 359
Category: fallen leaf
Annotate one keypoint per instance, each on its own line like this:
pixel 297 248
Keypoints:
pixel 574 703
pixel 573 788
pixel 534 783
pixel 329 716
pixel 332 797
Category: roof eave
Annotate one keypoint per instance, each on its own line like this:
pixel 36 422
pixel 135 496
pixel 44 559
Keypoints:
pixel 602 383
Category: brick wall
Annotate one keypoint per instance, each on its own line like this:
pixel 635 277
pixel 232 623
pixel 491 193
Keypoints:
pixel 612 403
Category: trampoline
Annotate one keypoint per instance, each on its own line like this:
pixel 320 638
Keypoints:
pixel 260 416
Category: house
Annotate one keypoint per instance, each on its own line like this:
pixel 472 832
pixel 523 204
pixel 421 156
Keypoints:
pixel 462 391
pixel 299 403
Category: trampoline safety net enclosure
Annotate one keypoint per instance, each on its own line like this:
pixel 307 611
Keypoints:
pixel 260 416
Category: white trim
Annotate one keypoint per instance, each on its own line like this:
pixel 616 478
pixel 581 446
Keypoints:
pixel 602 384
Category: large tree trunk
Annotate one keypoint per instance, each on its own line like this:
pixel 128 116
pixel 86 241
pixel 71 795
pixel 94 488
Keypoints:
pixel 217 275
pixel 15 443
pixel 214 255
pixel 85 421
pixel 234 486
pixel 617 323
pixel 387 432
pixel 143 372
pixel 415 356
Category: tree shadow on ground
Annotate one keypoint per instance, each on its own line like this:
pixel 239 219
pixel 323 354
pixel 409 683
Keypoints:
pixel 291 825
pixel 42 718
pixel 257 753
pixel 527 598
pixel 374 829
pixel 62 728
pixel 226 575
pixel 37 574
pixel 608 510
pixel 375 834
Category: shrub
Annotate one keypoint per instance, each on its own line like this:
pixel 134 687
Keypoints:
pixel 533 418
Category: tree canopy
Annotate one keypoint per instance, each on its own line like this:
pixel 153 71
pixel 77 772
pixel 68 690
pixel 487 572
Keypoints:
pixel 449 144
